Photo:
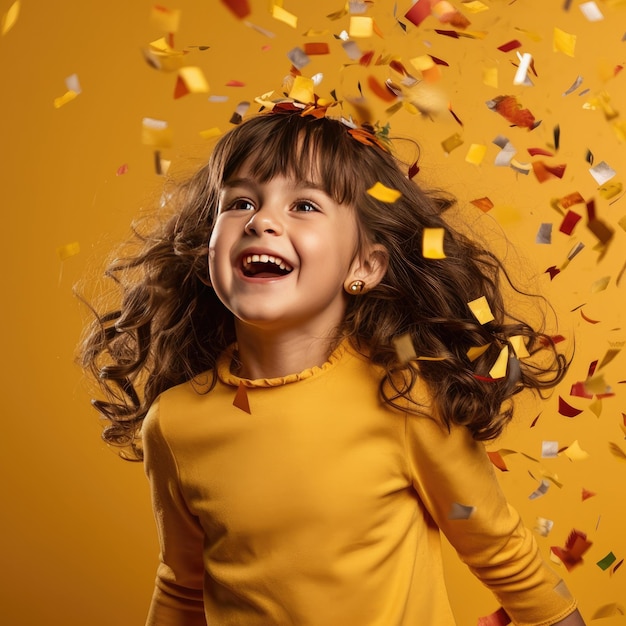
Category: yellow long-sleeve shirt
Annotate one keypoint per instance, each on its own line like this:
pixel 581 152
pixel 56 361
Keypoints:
pixel 322 507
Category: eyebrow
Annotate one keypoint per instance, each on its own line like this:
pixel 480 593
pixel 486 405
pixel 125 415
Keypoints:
pixel 251 182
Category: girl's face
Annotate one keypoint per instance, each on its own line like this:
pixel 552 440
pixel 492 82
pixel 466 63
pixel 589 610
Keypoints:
pixel 281 253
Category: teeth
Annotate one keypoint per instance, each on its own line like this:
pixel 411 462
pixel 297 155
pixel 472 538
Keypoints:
pixel 266 258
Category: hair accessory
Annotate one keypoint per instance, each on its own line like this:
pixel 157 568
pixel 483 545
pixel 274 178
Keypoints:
pixel 357 286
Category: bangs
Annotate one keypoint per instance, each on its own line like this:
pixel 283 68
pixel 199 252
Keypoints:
pixel 303 148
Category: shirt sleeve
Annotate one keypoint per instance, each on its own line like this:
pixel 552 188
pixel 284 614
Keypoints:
pixel 178 593
pixel 456 481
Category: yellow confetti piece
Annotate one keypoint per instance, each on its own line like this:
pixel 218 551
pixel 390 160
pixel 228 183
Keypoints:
pixel 194 79
pixel 452 142
pixel 610 190
pixel 422 63
pixel 481 310
pixel 563 42
pixel 361 26
pixel 475 351
pixel 476 153
pixel 432 243
pixel 596 384
pixel 601 284
pixel 156 133
pixel 302 89
pixel 475 6
pixel 498 370
pixel 284 16
pixel 68 250
pixel 519 346
pixel 9 18
pixel 210 133
pixel 68 96
pixel 404 348
pixel 384 194
pixel 596 407
pixel 575 453
pixel 165 19
pixel 162 56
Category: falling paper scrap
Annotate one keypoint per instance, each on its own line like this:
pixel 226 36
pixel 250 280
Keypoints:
pixel 572 554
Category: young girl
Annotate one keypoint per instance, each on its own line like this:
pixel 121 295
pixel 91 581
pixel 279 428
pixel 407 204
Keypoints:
pixel 301 465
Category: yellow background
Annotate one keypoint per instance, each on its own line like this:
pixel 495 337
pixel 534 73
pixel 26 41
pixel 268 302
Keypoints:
pixel 77 541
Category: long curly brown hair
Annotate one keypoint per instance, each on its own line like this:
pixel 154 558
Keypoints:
pixel 170 326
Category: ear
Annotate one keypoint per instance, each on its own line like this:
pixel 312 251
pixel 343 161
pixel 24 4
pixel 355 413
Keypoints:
pixel 368 267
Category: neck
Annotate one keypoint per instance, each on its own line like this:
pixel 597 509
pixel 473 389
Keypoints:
pixel 273 355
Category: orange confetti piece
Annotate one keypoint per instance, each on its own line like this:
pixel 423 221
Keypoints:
pixel 511 110
pixel 241 399
pixel 544 172
pixel 484 204
pixel 498 461
pixel 572 554
pixel 316 48
pixel 381 90
pixel 122 169
pixel 586 494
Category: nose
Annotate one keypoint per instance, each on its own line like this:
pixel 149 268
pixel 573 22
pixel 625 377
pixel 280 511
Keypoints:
pixel 263 221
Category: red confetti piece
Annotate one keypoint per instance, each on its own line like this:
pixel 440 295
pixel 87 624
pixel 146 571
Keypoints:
pixel 413 170
pixel 567 410
pixel 591 210
pixel 439 61
pixel 313 48
pixel 498 461
pixel 588 319
pixel 578 390
pixel 572 554
pixel 553 271
pixel 569 222
pixel 418 12
pixel 235 83
pixel 510 45
pixel 241 399
pixel 499 618
pixel 447 33
pixel 534 422
pixel 180 89
pixel 240 8
pixel 539 152
pixel 511 110
pixel 484 204
pixel 366 58
pixel 544 172
pixel 586 494
pixel 122 169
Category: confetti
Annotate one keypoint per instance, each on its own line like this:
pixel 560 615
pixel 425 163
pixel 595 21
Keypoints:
pixel 521 75
pixel 481 310
pixel 544 234
pixel 569 222
pixel 543 526
pixel 432 243
pixel 167 20
pixel 498 369
pixel 241 399
pixel 509 108
pixel 586 494
pixel 549 449
pixel 156 133
pixel 545 172
pixel 460 511
pixel 499 618
pixel 484 204
pixel 122 169
pixel 404 348
pixel 476 153
pixel 568 410
pixel 418 12
pixel 510 45
pixel 575 453
pixel 284 16
pixel 190 80
pixel 361 27
pixel 68 250
pixel 541 490
pixel 383 194
pixel 591 11
pixel 10 18
pixel 602 172
pixel 571 554
pixel 574 86
pixel 498 461
pixel 451 143
pixel 563 42
pixel 239 8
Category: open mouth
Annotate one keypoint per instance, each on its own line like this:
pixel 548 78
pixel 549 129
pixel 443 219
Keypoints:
pixel 264 266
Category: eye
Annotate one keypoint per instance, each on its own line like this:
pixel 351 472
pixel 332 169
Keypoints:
pixel 305 206
pixel 240 204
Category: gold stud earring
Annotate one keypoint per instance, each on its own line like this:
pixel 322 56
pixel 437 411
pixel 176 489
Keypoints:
pixel 357 286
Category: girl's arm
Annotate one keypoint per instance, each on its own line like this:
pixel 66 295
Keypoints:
pixel 178 593
pixel 457 484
